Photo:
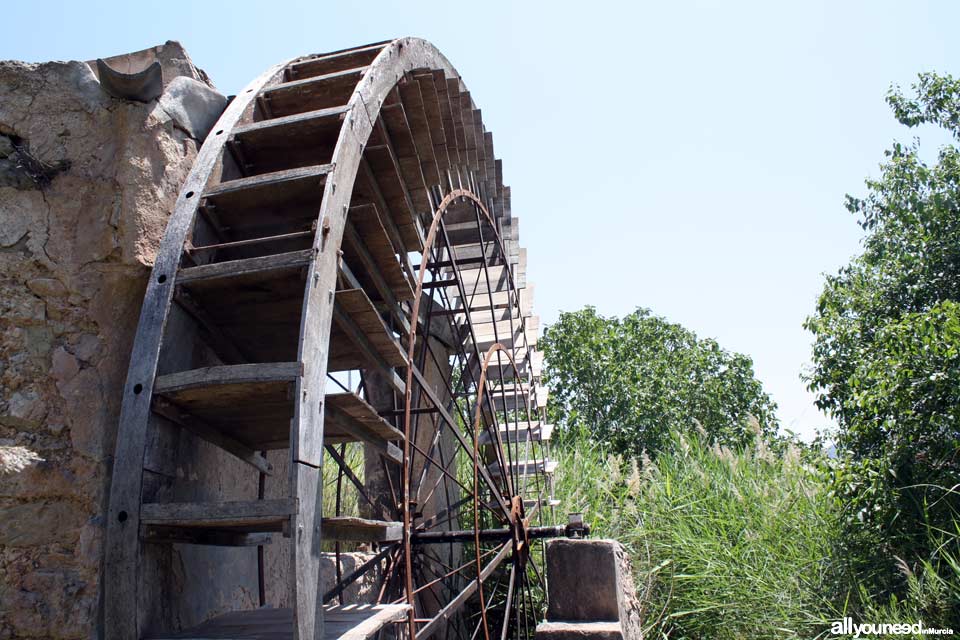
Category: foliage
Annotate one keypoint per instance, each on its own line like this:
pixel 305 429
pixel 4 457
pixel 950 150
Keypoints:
pixel 887 353
pixel 630 381
pixel 727 543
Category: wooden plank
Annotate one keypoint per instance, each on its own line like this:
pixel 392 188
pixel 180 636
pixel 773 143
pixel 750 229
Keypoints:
pixel 318 92
pixel 377 252
pixel 251 404
pixel 278 144
pixel 275 180
pixel 469 131
pixel 226 375
pixel 413 105
pixel 514 398
pixel 393 178
pixel 209 537
pixel 343 622
pixel 287 127
pixel 334 62
pixel 535 431
pixel 453 94
pixel 518 339
pixel 249 513
pixel 446 116
pixel 237 268
pixel 368 191
pixel 432 110
pixel 351 419
pixel 529 363
pixel 398 136
pixel 358 311
pixel 506 327
pixel 498 275
pixel 264 516
pixel 361 530
pixel 526 468
pixel 501 300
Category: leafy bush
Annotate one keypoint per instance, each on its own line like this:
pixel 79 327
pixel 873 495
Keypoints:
pixel 887 354
pixel 629 382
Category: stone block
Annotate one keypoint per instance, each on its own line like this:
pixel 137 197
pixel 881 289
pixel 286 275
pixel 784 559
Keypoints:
pixel 579 631
pixel 582 575
pixel 590 581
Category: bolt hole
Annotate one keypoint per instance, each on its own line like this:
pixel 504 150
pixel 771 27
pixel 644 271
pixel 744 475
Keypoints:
pixel 162 279
pixel 122 516
pixel 219 132
pixel 137 388
pixel 189 194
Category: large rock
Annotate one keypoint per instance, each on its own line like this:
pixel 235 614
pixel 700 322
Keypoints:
pixel 87 183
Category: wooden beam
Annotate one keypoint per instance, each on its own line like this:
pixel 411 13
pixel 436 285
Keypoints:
pixel 226 374
pixel 235 268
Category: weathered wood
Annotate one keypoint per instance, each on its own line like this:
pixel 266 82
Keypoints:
pixel 526 468
pixel 520 398
pixel 357 316
pixel 261 309
pixel 210 537
pixel 523 431
pixel 290 141
pixel 368 238
pixel 121 579
pixel 333 62
pixel 252 403
pixel 212 435
pixel 351 419
pixel 226 375
pixel 235 268
pixel 261 515
pixel 309 94
pixel 350 622
pixel 388 174
pixel 266 185
pixel 211 248
pixel 361 530
pixel 226 348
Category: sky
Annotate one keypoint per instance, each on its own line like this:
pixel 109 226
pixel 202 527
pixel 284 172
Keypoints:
pixel 687 157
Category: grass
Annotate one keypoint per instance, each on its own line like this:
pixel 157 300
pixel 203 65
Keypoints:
pixel 726 544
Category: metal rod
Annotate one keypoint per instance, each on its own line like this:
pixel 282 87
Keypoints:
pixel 487 535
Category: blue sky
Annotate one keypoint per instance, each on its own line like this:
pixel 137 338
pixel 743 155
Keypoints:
pixel 689 157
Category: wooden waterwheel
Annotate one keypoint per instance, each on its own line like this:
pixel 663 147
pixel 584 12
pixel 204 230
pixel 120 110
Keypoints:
pixel 335 362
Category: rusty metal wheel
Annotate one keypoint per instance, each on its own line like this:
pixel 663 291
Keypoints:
pixel 469 567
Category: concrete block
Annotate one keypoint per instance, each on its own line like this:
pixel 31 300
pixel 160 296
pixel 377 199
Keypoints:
pixel 591 581
pixel 582 579
pixel 579 631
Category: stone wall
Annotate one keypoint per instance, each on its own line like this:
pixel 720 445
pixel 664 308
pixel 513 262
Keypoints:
pixel 87 182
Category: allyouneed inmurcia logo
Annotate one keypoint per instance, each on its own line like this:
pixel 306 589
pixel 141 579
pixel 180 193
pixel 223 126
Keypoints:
pixel 847 627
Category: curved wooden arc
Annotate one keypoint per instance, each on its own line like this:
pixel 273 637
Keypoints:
pixel 123 514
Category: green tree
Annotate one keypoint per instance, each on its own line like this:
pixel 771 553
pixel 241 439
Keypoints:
pixel 886 343
pixel 630 382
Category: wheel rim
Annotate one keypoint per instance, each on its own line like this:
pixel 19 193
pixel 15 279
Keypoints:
pixel 494 502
